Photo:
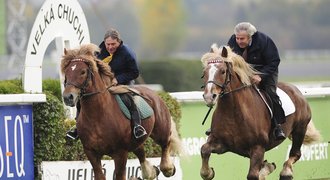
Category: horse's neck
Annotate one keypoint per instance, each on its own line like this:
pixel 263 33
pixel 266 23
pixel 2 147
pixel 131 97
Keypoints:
pixel 238 95
pixel 101 100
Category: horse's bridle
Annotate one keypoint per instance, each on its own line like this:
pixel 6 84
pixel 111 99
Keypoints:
pixel 84 85
pixel 223 88
pixel 224 85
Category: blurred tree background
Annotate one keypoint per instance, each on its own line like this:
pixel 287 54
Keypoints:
pixel 180 30
pixel 187 27
pixel 168 28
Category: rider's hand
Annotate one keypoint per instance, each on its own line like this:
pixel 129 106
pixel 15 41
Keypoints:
pixel 256 79
pixel 114 82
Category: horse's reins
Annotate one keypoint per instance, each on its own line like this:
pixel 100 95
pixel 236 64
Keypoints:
pixel 223 88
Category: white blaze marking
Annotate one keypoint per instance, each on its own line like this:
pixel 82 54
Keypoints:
pixel 73 67
pixel 212 72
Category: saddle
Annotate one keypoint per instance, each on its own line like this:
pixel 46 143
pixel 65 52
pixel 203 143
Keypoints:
pixel 287 104
pixel 143 107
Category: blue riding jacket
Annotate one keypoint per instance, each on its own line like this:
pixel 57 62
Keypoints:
pixel 262 54
pixel 123 63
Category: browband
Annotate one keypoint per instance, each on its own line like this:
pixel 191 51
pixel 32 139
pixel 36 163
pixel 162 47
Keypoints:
pixel 78 59
pixel 215 61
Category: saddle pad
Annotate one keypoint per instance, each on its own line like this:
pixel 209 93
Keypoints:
pixel 143 107
pixel 287 103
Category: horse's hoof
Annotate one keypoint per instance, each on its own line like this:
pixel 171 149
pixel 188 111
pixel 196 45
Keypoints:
pixel 174 171
pixel 209 176
pixel 135 178
pixel 169 172
pixel 286 177
pixel 274 165
pixel 157 170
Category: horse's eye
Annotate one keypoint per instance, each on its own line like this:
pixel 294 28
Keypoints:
pixel 83 72
pixel 223 71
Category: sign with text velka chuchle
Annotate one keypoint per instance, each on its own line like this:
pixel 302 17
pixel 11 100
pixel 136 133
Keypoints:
pixel 63 21
pixel 16 142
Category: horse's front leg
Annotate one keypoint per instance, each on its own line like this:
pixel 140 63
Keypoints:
pixel 148 171
pixel 120 159
pixel 166 165
pixel 207 172
pixel 256 162
pixel 95 160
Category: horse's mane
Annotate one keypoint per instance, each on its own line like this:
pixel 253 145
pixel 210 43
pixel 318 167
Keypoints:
pixel 87 54
pixel 240 67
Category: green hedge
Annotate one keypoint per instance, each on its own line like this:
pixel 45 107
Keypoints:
pixel 174 75
pixel 50 125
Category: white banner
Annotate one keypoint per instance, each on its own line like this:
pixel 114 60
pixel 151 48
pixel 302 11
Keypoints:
pixel 82 170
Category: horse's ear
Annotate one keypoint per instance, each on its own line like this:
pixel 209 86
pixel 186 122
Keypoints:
pixel 65 51
pixel 224 52
pixel 214 48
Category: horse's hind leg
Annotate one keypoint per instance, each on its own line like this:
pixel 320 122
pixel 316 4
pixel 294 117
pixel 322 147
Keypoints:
pixel 148 171
pixel 295 153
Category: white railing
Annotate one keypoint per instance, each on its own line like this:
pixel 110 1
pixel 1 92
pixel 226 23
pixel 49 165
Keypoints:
pixel 193 96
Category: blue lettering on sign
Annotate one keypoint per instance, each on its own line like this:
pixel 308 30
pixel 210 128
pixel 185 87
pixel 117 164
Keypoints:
pixel 16 142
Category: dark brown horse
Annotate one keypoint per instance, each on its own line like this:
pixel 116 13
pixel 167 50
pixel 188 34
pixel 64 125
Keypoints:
pixel 241 121
pixel 102 127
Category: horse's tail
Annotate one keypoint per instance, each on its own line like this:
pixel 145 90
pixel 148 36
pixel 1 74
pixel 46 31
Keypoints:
pixel 176 147
pixel 312 134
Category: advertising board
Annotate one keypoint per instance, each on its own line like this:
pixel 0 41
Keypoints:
pixel 16 142
pixel 75 170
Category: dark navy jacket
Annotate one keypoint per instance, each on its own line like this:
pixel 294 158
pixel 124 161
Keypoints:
pixel 123 63
pixel 262 54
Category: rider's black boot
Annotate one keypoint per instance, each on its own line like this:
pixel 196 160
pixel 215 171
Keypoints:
pixel 278 119
pixel 138 130
pixel 72 133
pixel 278 133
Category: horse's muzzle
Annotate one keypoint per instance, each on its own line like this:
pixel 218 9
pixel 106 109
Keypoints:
pixel 70 99
pixel 210 99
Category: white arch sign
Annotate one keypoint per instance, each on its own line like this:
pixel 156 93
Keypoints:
pixel 61 20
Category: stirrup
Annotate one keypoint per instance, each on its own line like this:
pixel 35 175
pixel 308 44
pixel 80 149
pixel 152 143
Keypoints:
pixel 72 133
pixel 139 129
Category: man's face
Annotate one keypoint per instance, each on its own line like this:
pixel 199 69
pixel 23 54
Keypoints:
pixel 242 39
pixel 111 45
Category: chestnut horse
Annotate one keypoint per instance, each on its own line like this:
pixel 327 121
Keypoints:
pixel 241 121
pixel 102 127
